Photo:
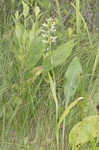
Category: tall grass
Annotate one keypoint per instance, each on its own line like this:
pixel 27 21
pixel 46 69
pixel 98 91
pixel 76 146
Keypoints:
pixel 36 77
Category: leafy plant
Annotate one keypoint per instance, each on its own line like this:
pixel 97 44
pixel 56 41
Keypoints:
pixel 71 83
pixel 58 56
pixel 48 52
pixel 84 131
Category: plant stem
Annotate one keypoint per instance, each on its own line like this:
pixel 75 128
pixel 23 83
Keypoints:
pixel 53 89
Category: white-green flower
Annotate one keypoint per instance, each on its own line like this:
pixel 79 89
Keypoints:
pixel 48 32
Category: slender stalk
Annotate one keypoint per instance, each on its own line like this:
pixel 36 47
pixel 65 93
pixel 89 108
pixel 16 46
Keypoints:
pixel 95 65
pixel 64 115
pixel 63 134
pixel 53 89
pixel 58 8
pixel 63 131
pixel 3 125
pixel 85 25
pixel 78 19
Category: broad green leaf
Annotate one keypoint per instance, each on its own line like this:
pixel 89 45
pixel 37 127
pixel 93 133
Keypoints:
pixel 84 131
pixel 32 57
pixel 44 3
pixel 71 79
pixel 58 56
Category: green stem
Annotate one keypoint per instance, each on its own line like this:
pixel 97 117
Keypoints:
pixel 53 89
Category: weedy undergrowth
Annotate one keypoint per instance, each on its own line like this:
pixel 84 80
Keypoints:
pixel 47 59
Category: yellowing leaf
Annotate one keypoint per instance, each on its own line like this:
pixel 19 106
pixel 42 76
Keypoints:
pixel 36 72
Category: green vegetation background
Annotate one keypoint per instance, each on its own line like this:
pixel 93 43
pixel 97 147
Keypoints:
pixel 34 82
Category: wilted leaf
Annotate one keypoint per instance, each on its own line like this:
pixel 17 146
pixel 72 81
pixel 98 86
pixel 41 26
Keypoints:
pixel 35 73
